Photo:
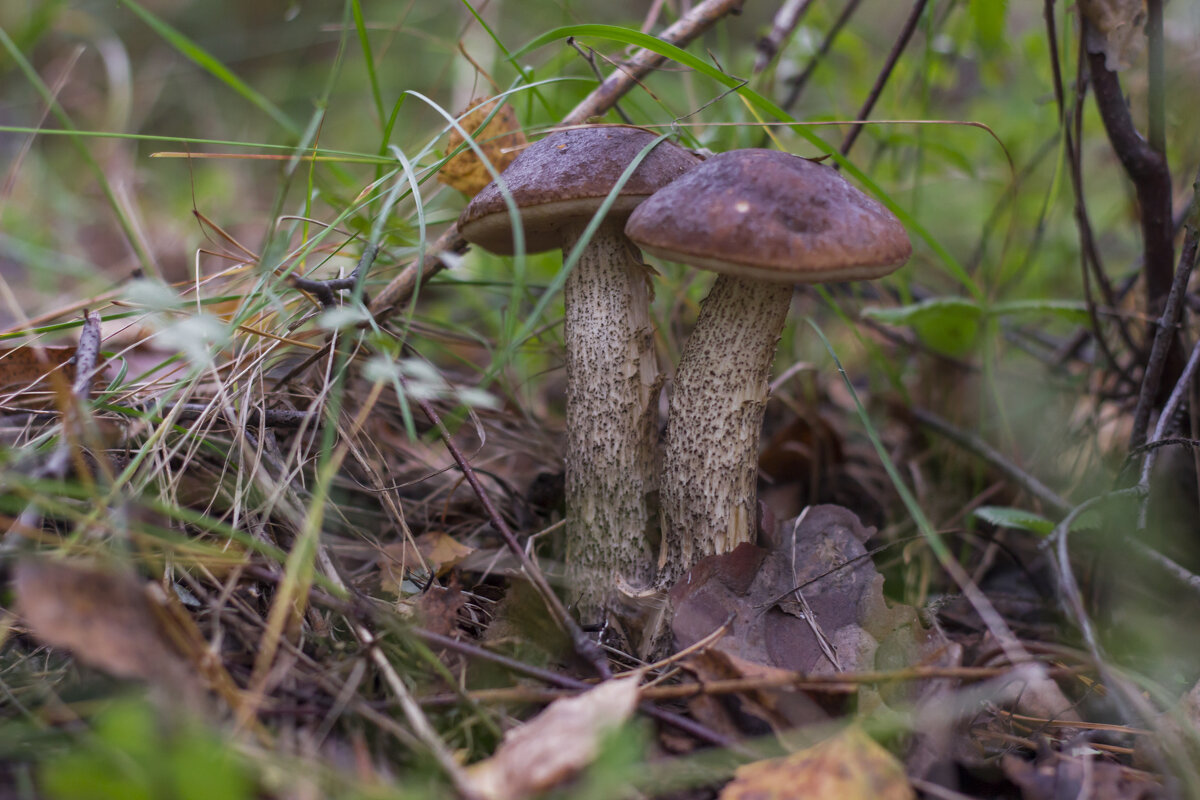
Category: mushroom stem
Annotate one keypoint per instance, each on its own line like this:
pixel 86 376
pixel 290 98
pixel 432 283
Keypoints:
pixel 710 459
pixel 612 419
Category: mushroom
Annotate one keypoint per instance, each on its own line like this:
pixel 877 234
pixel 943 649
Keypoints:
pixel 558 183
pixel 764 220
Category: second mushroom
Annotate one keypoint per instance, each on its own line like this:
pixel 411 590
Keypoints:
pixel 764 220
pixel 558 184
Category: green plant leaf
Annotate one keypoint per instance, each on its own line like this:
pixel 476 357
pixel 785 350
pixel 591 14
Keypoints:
pixel 1016 518
pixel 948 325
pixel 1072 311
pixel 988 17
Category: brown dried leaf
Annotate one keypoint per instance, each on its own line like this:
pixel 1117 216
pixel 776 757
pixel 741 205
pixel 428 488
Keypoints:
pixel 26 366
pixel 848 766
pixel 500 141
pixel 814 604
pixel 436 549
pixel 556 744
pixel 105 618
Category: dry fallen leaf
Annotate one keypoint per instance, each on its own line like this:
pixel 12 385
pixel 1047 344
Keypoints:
pixel 848 766
pixel 436 549
pixel 500 141
pixel 106 619
pixel 556 744
pixel 812 604
pixel 26 366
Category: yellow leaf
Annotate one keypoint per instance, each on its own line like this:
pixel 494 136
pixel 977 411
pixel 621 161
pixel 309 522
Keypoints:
pixel 500 141
pixel 848 766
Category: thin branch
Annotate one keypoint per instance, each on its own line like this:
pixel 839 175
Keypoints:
pixel 269 417
pixel 74 420
pixel 1089 252
pixel 686 28
pixel 786 19
pixel 678 721
pixel 1182 386
pixel 906 34
pixel 1148 170
pixel 801 80
pixel 1163 339
pixel 590 57
pixel 325 291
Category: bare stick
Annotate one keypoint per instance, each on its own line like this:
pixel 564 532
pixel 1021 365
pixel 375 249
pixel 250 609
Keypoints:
pixel 1163 338
pixel 799 82
pixel 1164 422
pixel 86 354
pixel 689 726
pixel 603 97
pixel 1148 170
pixel 786 19
pixel 1089 252
pixel 910 27
pixel 325 291
pixel 688 27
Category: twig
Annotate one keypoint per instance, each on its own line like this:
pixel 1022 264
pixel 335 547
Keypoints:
pixel 86 354
pixel 1148 170
pixel 397 292
pixel 1182 387
pixel 782 681
pixel 786 19
pixel 584 647
pixel 906 33
pixel 270 417
pixel 688 27
pixel 1184 576
pixel 801 80
pixel 1089 253
pixel 325 291
pixel 590 57
pixel 1164 336
pixel 997 460
pixel 678 721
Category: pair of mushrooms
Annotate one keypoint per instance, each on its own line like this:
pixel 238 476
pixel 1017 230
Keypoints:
pixel 764 220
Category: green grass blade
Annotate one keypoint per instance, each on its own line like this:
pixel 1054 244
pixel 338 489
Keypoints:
pixel 209 63
pixel 364 41
pixel 144 258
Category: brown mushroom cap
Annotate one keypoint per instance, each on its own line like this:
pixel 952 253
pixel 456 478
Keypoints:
pixel 564 178
pixel 771 216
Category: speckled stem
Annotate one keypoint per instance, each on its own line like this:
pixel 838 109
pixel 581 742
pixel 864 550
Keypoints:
pixel 710 460
pixel 612 419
